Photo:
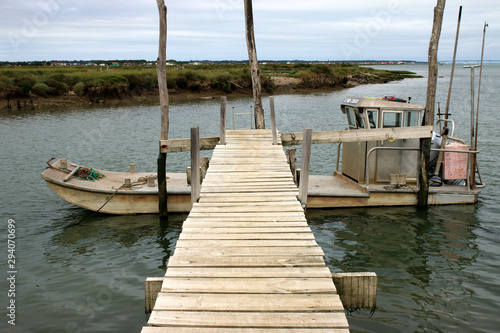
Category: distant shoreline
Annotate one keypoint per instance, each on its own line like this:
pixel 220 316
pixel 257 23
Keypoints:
pixel 43 88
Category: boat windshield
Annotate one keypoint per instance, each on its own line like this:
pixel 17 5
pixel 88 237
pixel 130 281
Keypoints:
pixel 392 119
pixel 412 118
pixel 372 117
pixel 354 118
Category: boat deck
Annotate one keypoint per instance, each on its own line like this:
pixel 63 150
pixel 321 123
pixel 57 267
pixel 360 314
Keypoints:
pixel 246 260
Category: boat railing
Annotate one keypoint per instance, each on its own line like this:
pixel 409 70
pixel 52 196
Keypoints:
pixel 446 121
pixel 367 163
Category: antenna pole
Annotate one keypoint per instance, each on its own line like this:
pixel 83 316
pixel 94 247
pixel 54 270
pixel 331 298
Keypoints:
pixel 452 68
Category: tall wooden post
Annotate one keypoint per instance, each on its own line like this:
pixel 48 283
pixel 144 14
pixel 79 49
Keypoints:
pixel 223 107
pixel 273 120
pixel 161 70
pixel 254 66
pixel 195 164
pixel 425 144
pixel 304 166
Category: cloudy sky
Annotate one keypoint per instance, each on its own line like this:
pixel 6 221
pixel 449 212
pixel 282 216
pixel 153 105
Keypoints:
pixel 215 29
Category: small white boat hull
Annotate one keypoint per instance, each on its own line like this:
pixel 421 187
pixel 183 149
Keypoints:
pixel 105 196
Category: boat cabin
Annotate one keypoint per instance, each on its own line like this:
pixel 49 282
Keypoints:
pixel 364 113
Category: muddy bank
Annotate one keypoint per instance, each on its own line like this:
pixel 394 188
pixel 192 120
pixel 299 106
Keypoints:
pixel 280 85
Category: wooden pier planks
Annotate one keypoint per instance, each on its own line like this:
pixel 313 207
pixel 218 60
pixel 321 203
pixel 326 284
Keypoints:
pixel 246 260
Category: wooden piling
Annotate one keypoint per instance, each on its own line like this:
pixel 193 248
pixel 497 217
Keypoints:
pixel 195 164
pixel 161 70
pixel 153 287
pixel 291 157
pixel 223 109
pixel 254 66
pixel 425 144
pixel 356 290
pixel 304 166
pixel 273 121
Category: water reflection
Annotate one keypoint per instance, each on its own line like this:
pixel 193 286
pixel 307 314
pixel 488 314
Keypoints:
pixel 421 257
pixel 84 233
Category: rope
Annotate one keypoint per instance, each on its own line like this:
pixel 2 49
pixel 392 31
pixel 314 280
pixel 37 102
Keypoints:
pixel 88 174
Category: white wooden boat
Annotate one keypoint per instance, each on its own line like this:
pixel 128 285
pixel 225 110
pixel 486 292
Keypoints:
pixel 111 194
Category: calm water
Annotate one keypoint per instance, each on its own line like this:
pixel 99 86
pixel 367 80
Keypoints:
pixel 77 272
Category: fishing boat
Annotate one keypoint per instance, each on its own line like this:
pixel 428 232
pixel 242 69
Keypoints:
pixel 114 192
pixel 385 172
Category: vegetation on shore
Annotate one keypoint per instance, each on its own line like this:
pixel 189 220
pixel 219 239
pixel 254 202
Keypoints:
pixel 94 83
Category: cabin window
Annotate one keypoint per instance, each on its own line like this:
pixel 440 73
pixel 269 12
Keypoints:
pixel 412 118
pixel 372 118
pixel 359 119
pixel 351 118
pixel 392 119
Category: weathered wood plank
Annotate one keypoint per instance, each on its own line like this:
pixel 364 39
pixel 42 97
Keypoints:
pixel 235 230
pixel 246 272
pixel 289 139
pixel 247 218
pixel 288 204
pixel 243 243
pixel 246 209
pixel 277 199
pixel 271 217
pixel 183 145
pixel 287 194
pixel 249 319
pixel 238 251
pixel 246 236
pixel 249 302
pixel 250 285
pixel 280 261
pixel 260 189
pixel 240 224
pixel 190 329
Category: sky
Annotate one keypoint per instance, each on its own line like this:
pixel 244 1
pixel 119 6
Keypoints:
pixel 215 30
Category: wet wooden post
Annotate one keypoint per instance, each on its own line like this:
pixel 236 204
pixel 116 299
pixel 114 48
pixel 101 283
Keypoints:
pixel 152 288
pixel 195 164
pixel 254 66
pixel 161 69
pixel 273 120
pixel 223 108
pixel 304 166
pixel 291 156
pixel 425 144
pixel 357 290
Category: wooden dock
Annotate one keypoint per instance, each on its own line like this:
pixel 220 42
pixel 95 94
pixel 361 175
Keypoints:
pixel 246 260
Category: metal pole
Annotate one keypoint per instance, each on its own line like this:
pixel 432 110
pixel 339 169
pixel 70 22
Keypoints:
pixel 472 103
pixel 479 84
pixel 474 157
pixel 452 67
